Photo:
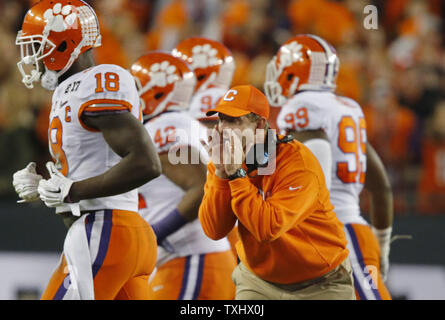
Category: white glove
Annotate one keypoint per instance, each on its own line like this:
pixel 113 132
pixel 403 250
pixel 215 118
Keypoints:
pixel 384 238
pixel 25 183
pixel 54 191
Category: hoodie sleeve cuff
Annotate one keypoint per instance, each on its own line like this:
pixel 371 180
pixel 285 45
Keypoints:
pixel 218 182
pixel 240 184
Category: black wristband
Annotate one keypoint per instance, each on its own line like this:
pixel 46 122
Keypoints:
pixel 240 173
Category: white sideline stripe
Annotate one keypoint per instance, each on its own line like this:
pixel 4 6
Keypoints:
pixel 96 232
pixel 192 278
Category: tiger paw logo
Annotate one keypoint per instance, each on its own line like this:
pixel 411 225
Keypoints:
pixel 162 74
pixel 204 56
pixel 60 18
pixel 291 53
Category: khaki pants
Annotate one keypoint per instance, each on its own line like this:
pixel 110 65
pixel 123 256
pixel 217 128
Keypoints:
pixel 337 284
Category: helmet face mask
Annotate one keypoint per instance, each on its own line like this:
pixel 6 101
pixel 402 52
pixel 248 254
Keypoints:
pixel 304 62
pixel 55 33
pixel 33 49
pixel 272 88
pixel 226 70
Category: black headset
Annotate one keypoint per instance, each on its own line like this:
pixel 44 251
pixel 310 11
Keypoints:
pixel 261 160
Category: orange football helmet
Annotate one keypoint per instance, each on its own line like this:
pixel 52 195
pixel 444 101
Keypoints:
pixel 210 60
pixel 164 83
pixel 56 33
pixel 304 62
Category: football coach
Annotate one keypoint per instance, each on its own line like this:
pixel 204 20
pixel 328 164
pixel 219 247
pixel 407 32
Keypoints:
pixel 292 246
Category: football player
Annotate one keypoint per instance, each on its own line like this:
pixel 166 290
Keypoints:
pixel 190 266
pixel 301 79
pixel 101 153
pixel 213 65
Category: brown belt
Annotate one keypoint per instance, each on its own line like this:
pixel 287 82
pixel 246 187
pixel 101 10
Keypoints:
pixel 305 284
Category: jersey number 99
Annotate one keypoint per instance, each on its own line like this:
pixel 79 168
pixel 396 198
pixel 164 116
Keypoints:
pixel 300 118
pixel 349 144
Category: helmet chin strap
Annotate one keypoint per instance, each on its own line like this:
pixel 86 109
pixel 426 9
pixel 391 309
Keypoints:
pixel 49 79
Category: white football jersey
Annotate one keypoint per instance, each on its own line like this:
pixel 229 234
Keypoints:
pixel 343 121
pixel 204 100
pixel 81 152
pixel 161 196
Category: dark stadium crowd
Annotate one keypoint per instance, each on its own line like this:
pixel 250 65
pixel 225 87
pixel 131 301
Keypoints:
pixel 396 72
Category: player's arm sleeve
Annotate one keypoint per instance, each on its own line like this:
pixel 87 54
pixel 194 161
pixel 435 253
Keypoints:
pixel 320 146
pixel 139 164
pixel 117 94
pixel 215 213
pixel 293 198
pixel 378 185
pixel 100 107
pixel 190 177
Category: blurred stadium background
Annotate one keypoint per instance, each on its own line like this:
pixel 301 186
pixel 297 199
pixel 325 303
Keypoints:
pixel 396 72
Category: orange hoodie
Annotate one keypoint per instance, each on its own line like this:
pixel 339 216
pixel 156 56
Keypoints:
pixel 287 229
